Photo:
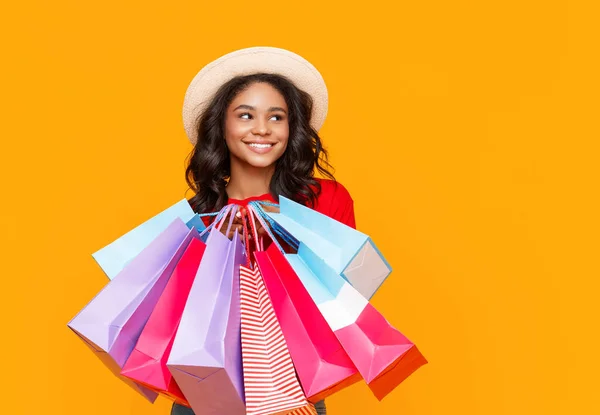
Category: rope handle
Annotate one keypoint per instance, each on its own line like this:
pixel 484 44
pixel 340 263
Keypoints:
pixel 219 215
pixel 287 237
pixel 257 216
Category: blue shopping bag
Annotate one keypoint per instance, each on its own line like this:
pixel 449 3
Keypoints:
pixel 351 253
pixel 113 257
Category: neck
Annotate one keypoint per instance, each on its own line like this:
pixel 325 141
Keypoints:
pixel 248 181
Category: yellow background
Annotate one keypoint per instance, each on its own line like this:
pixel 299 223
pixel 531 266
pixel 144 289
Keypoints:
pixel 465 131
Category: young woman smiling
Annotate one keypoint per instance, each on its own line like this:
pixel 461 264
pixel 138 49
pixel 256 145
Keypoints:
pixel 253 116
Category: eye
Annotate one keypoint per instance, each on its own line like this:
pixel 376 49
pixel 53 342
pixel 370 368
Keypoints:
pixel 277 117
pixel 245 115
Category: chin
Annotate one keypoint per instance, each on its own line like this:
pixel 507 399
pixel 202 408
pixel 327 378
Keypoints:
pixel 262 161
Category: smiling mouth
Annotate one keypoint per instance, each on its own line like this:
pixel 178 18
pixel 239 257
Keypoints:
pixel 259 145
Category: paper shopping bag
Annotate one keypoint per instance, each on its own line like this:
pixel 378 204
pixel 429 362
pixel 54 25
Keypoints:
pixel 323 366
pixel 270 381
pixel 112 322
pixel 206 359
pixel 113 257
pixel 197 222
pixel 147 364
pixel 382 355
pixel 349 252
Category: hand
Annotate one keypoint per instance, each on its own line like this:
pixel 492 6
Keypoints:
pixel 238 223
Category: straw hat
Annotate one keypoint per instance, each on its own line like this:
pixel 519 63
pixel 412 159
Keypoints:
pixel 248 61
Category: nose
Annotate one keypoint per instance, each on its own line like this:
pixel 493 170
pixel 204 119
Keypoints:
pixel 261 127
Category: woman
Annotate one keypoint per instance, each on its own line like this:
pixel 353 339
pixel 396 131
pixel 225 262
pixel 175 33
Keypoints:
pixel 255 137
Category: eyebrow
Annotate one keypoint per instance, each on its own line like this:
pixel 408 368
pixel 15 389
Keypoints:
pixel 251 108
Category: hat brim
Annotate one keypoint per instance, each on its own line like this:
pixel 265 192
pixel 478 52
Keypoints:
pixel 247 61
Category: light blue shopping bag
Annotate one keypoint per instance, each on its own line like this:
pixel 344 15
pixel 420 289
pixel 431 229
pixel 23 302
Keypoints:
pixel 113 257
pixel 352 254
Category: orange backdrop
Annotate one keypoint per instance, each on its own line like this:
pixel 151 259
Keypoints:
pixel 466 132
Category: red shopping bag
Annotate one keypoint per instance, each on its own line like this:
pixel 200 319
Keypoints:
pixel 323 366
pixel 147 364
pixel 270 382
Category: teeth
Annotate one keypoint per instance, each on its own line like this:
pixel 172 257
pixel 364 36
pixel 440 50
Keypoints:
pixel 260 145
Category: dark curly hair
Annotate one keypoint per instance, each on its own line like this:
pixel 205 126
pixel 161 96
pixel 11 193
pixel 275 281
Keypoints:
pixel 208 165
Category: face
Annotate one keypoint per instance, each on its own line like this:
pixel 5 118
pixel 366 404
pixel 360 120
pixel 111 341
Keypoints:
pixel 256 126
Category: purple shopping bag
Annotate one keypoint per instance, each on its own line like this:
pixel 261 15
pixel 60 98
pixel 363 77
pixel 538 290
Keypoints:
pixel 112 322
pixel 206 359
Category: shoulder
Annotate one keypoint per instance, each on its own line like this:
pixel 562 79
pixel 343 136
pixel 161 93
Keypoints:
pixel 333 197
pixel 336 202
pixel 333 190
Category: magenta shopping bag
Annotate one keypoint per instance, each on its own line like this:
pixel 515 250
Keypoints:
pixel 112 322
pixel 322 365
pixel 206 359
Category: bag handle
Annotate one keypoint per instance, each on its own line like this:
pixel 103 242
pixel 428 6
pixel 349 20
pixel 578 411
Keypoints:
pixel 232 214
pixel 246 241
pixel 287 237
pixel 255 215
pixel 253 227
pixel 219 216
pixel 228 209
